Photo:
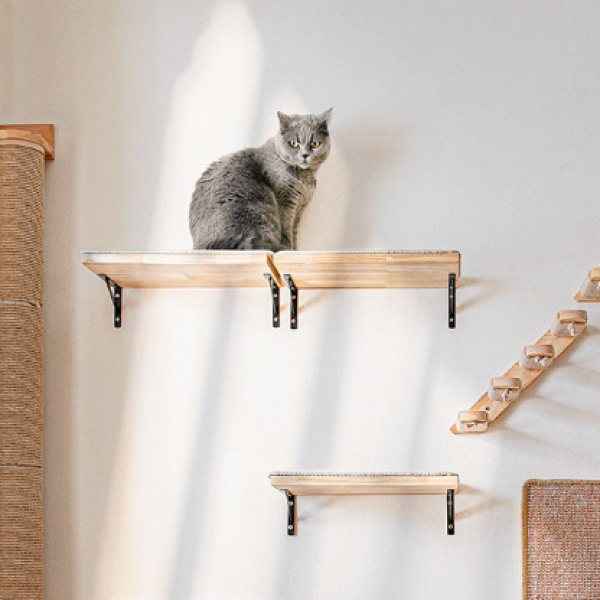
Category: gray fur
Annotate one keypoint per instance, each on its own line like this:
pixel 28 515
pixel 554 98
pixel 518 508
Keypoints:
pixel 253 199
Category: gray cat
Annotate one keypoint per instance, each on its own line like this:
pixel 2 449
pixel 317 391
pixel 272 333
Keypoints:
pixel 253 199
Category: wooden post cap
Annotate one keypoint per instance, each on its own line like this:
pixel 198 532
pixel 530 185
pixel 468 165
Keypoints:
pixel 473 416
pixel 501 383
pixel 40 135
pixel 595 274
pixel 572 316
pixel 542 351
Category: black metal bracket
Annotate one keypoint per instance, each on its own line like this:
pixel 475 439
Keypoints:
pixel 275 294
pixel 116 296
pixel 450 512
pixel 291 506
pixel 293 301
pixel 452 301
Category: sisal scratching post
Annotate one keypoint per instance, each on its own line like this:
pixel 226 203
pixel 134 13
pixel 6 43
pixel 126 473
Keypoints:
pixel 23 150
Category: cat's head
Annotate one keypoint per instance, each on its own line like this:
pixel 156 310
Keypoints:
pixel 303 140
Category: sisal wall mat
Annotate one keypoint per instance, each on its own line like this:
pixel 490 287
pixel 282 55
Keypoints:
pixel 21 534
pixel 21 223
pixel 561 539
pixel 21 377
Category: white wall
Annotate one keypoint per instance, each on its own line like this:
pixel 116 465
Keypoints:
pixel 456 125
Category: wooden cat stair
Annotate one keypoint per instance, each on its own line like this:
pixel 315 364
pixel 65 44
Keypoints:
pixel 504 391
pixel 299 270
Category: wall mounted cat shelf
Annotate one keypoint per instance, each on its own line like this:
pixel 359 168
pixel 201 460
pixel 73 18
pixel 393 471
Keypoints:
pixel 590 290
pixel 297 483
pixel 391 269
pixel 192 269
pixel 533 361
pixel 257 268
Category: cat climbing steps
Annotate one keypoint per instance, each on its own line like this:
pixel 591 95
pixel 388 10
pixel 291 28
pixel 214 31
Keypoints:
pixel 534 360
pixel 256 268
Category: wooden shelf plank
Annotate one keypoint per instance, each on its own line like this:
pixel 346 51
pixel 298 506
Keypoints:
pixel 186 269
pixel 42 135
pixel 337 484
pixel 385 269
pixel 495 408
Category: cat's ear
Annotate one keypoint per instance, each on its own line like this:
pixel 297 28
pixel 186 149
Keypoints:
pixel 284 121
pixel 325 118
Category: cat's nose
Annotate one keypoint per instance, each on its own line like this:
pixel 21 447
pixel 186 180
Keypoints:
pixel 305 155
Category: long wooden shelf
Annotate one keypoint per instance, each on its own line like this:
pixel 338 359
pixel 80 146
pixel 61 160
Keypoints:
pixel 298 483
pixel 300 270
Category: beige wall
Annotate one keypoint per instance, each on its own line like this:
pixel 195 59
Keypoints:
pixel 456 125
pixel 6 58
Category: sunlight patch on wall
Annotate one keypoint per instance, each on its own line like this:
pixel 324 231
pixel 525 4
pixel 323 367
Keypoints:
pixel 177 333
pixel 213 110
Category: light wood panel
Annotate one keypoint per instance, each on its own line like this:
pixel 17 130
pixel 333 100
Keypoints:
pixel 191 269
pixel 393 269
pixel 495 408
pixel 43 135
pixel 367 484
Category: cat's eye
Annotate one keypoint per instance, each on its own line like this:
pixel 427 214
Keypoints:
pixel 315 144
pixel 294 144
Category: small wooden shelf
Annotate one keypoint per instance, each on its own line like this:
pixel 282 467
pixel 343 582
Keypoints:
pixel 383 269
pixel 300 270
pixel 193 269
pixel 593 278
pixel 185 269
pixel 298 483
pixel 494 408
